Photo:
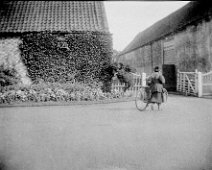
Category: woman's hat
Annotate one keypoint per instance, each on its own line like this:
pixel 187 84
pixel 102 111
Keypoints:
pixel 156 69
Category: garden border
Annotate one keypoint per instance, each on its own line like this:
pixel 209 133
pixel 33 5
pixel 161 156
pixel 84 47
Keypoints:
pixel 69 103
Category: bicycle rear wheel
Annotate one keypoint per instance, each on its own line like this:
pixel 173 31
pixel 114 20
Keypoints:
pixel 140 100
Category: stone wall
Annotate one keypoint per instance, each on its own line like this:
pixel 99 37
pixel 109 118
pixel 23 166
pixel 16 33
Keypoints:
pixel 10 58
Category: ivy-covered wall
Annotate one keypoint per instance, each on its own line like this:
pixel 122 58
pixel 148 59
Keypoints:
pixel 60 57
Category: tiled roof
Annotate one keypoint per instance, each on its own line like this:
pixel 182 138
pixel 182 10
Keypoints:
pixel 186 15
pixel 63 16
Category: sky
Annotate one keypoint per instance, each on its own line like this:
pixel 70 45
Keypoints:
pixel 127 18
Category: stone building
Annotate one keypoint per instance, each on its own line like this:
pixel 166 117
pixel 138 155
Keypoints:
pixel 65 19
pixel 182 39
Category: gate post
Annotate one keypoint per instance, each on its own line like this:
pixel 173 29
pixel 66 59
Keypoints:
pixel 178 80
pixel 143 83
pixel 199 84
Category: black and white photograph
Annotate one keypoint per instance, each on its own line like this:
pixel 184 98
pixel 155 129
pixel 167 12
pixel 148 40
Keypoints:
pixel 106 85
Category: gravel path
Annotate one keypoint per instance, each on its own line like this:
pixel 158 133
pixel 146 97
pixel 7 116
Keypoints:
pixel 112 136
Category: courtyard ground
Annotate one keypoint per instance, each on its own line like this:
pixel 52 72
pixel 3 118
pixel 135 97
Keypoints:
pixel 112 136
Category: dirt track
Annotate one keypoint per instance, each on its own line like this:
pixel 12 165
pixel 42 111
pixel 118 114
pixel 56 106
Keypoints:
pixel 108 137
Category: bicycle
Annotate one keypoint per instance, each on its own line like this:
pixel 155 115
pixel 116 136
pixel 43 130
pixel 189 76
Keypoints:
pixel 143 95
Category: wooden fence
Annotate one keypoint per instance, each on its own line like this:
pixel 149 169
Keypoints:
pixel 139 81
pixel 189 83
pixel 194 83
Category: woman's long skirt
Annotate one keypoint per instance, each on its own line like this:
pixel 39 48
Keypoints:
pixel 157 97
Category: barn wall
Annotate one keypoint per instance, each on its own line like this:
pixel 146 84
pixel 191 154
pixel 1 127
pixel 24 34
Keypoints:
pixel 193 47
pixel 157 53
pixel 188 49
pixel 10 58
pixel 144 59
pixel 139 59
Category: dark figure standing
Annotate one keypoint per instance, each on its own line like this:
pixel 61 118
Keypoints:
pixel 106 75
pixel 157 81
pixel 124 77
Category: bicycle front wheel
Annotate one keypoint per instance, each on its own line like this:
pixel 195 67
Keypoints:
pixel 140 100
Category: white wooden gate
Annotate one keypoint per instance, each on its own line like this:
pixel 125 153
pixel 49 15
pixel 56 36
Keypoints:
pixel 194 83
pixel 139 81
pixel 187 83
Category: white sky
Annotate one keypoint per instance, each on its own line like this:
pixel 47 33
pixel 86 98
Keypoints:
pixel 127 18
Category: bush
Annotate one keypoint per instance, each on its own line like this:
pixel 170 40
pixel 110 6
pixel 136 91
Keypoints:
pixel 45 92
pixel 8 76
pixel 129 68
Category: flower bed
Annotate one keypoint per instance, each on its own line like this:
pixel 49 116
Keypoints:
pixel 47 92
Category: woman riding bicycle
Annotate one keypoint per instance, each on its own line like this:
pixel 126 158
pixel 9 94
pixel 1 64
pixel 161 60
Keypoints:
pixel 156 82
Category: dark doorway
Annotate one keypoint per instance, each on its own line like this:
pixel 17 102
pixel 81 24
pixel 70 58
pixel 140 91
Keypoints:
pixel 170 74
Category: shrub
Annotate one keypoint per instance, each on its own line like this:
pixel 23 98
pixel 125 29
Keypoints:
pixel 44 92
pixel 8 76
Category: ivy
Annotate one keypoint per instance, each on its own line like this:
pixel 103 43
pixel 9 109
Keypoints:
pixel 79 61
